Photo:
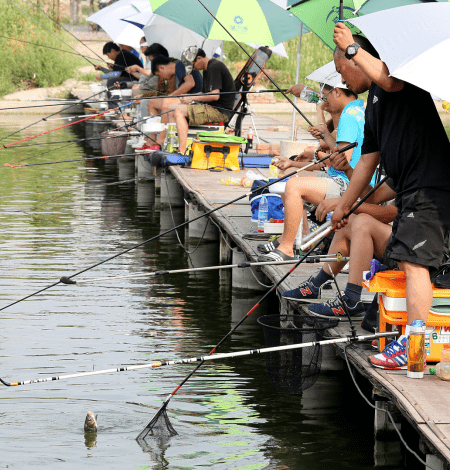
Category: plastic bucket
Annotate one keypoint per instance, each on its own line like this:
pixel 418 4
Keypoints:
pixel 116 144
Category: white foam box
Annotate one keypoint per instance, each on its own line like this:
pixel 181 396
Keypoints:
pixel 273 228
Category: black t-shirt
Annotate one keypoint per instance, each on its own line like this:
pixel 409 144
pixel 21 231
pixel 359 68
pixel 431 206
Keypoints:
pixel 217 76
pixel 125 59
pixel 405 127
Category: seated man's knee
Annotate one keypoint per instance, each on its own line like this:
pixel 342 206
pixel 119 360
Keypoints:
pixel 362 223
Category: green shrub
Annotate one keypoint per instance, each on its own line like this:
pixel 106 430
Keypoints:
pixel 25 65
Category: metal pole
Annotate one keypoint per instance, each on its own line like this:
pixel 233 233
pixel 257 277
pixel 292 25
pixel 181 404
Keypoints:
pixel 296 78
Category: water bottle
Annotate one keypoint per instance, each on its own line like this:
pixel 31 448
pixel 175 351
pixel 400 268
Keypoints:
pixel 263 213
pixel 309 96
pixel 111 75
pixel 415 348
pixel 249 144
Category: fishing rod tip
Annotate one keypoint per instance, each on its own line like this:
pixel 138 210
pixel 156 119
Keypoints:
pixel 66 280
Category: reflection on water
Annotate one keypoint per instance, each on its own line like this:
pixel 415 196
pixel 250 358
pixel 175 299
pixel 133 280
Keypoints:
pixel 58 219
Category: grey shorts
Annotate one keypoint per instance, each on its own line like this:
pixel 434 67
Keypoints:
pixel 335 186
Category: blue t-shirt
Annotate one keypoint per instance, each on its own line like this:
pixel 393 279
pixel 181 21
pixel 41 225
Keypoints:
pixel 180 73
pixel 351 129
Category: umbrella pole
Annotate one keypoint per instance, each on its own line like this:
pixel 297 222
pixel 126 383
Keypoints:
pixel 297 73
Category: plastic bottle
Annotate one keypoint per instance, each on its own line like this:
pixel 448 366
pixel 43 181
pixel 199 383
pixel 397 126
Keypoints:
pixel 249 144
pixel 111 75
pixel 231 181
pixel 171 139
pixel 416 350
pixel 253 176
pixel 273 172
pixel 443 367
pixel 263 213
pixel 309 96
pixel 246 182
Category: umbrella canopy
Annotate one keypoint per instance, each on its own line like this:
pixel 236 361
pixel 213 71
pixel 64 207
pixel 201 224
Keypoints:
pixel 327 74
pixel 176 38
pixel 258 21
pixel 414 42
pixel 109 19
pixel 321 16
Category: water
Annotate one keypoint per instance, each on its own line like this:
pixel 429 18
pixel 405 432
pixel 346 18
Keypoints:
pixel 59 219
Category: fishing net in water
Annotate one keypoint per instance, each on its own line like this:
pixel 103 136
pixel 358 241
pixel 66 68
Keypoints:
pixel 159 427
pixel 294 370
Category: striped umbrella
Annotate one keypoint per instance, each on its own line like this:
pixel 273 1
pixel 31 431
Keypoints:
pixel 257 21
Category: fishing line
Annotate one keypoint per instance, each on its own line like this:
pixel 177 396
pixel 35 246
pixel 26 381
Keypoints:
pixel 87 100
pixel 397 430
pixel 343 149
pixel 189 360
pixel 49 47
pixel 49 116
pixel 260 68
pixel 51 32
pixel 67 31
pixel 65 125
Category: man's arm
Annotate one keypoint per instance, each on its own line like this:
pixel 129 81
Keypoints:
pixel 206 97
pixel 362 174
pixel 374 68
pixel 385 214
pixel 186 86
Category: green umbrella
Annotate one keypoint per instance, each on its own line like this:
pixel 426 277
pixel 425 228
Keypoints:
pixel 321 16
pixel 256 21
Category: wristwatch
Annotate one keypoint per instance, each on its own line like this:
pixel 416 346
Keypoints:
pixel 351 50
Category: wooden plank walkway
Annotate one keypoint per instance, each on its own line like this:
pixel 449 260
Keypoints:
pixel 425 403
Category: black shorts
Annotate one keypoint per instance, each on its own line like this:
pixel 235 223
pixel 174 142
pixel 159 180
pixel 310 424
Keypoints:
pixel 421 226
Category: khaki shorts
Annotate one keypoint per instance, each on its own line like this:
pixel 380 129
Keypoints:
pixel 202 113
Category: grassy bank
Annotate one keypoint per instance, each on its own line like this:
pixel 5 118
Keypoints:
pixel 24 65
pixel 314 53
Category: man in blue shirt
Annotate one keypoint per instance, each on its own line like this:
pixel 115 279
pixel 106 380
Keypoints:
pixel 330 185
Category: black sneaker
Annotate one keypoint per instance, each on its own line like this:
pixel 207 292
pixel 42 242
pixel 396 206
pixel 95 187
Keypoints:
pixel 306 290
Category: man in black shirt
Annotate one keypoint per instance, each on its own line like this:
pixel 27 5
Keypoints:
pixel 404 133
pixel 122 60
pixel 216 78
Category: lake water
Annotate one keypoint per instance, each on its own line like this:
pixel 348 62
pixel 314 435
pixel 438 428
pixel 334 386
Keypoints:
pixel 59 219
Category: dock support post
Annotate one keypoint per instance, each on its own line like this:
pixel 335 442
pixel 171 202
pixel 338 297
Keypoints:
pixel 243 278
pixel 145 193
pixel 434 462
pixel 197 228
pixel 225 253
pixel 171 191
pixel 144 168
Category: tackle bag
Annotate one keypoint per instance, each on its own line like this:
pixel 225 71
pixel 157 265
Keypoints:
pixel 213 150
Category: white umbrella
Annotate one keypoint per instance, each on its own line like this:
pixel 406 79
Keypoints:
pixel 414 42
pixel 327 74
pixel 109 19
pixel 175 38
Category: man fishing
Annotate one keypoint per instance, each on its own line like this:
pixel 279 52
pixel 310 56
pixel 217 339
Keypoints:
pixel 403 132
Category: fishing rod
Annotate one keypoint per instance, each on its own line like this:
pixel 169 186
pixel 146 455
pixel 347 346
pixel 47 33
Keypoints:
pixel 49 47
pixel 51 32
pixel 149 98
pixel 214 357
pixel 103 157
pixel 318 258
pixel 205 214
pixel 163 407
pixel 49 116
pixel 67 125
pixel 260 68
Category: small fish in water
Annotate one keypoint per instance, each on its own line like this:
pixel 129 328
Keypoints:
pixel 90 424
